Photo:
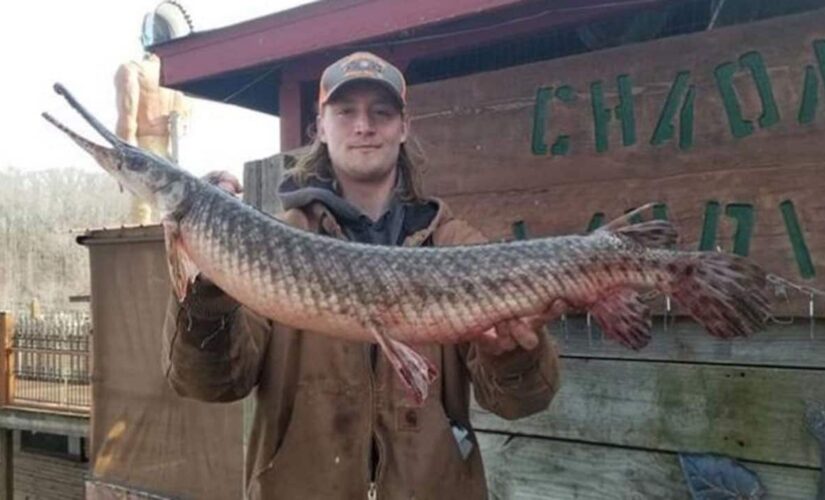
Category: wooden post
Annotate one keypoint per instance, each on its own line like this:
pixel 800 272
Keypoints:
pixel 272 172
pixel 6 464
pixel 289 98
pixel 6 440
pixel 262 178
pixel 6 368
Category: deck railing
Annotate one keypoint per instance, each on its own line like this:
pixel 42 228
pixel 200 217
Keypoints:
pixel 47 361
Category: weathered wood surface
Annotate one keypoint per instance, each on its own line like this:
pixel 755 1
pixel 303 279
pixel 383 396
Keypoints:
pixel 789 345
pixel 143 434
pixel 48 478
pixel 532 468
pixel 747 412
pixel 261 179
pixel 478 133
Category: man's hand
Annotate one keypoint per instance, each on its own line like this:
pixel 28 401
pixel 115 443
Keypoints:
pixel 225 181
pixel 519 332
pixel 507 335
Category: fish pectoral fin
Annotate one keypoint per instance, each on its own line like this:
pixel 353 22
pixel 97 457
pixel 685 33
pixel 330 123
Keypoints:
pixel 415 371
pixel 623 316
pixel 182 270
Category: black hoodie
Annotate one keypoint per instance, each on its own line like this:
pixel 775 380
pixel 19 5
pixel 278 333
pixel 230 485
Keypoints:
pixel 399 221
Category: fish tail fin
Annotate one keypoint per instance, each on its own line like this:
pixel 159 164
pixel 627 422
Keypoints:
pixel 726 293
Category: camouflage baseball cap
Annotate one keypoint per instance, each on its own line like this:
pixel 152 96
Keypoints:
pixel 362 66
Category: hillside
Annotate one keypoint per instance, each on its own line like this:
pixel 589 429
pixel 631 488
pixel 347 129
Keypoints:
pixel 41 213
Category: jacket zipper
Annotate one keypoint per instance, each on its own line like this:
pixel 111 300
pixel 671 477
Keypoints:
pixel 374 451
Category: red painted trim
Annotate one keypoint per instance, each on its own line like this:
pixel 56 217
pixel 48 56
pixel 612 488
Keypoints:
pixel 525 22
pixel 306 29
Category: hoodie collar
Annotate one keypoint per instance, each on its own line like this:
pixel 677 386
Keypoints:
pixel 402 219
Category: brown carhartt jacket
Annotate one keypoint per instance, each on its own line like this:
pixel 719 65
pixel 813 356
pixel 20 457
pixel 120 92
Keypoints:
pixel 320 403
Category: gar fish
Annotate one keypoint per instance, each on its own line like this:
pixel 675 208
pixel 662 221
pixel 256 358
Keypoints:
pixel 399 297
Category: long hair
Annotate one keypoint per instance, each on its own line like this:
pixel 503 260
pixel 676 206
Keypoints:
pixel 316 163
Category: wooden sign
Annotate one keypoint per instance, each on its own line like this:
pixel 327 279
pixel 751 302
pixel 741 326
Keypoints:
pixel 724 129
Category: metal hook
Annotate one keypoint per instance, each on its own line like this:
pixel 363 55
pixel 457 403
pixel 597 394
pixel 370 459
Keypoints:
pixel 589 331
pixel 564 326
pixel 811 314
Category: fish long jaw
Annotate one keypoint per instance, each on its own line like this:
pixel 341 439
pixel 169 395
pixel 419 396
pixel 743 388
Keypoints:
pixel 108 158
pixel 143 173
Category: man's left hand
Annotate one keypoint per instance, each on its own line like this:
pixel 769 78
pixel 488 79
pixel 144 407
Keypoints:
pixel 507 335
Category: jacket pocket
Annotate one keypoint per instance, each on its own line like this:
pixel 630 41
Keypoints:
pixel 284 442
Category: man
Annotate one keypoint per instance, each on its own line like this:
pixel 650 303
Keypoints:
pixel 332 420
pixel 148 115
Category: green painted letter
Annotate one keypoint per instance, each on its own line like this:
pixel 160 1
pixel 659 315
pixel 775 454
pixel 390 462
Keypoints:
pixel 743 213
pixel 739 127
pixel 623 112
pixel 800 249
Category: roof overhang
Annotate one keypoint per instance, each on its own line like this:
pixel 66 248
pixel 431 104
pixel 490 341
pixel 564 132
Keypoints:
pixel 245 64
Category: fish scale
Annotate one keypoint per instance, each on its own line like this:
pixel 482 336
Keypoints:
pixel 403 296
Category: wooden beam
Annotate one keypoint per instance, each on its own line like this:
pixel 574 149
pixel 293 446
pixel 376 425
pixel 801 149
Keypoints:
pixel 526 467
pixel 291 115
pixel 298 31
pixel 6 464
pixel 325 25
pixel 44 421
pixel 793 345
pixel 6 368
pixel 753 413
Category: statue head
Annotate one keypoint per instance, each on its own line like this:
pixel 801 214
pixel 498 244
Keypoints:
pixel 168 21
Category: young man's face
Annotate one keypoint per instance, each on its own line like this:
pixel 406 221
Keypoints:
pixel 363 129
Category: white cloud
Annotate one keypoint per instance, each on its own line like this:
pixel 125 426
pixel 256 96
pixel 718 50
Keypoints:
pixel 81 44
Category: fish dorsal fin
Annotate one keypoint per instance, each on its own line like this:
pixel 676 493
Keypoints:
pixel 653 234
pixel 627 219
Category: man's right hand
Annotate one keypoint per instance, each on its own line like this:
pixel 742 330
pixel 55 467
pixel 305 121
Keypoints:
pixel 224 180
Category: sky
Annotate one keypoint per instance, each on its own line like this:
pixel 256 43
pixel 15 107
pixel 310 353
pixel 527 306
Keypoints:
pixel 80 44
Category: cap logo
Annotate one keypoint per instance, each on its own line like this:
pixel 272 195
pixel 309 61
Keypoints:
pixel 362 66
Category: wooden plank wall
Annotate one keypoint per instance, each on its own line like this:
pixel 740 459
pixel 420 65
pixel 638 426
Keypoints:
pixel 723 129
pixel 262 177
pixel 619 420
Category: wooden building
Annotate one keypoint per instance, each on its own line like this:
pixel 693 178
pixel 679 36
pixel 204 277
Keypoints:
pixel 550 117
